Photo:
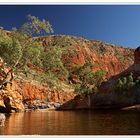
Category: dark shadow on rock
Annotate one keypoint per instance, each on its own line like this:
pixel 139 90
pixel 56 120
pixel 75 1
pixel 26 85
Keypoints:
pixel 76 103
pixel 3 109
pixel 8 106
pixel 108 101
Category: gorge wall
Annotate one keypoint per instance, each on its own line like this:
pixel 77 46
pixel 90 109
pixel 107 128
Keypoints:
pixel 110 58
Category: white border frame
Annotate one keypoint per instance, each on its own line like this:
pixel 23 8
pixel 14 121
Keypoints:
pixel 70 2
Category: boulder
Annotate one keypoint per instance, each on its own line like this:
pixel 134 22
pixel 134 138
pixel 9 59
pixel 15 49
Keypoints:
pixel 11 100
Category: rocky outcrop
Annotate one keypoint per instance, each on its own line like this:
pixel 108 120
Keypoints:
pixel 32 91
pixel 10 100
pixel 107 86
pixel 30 94
pixel 132 96
pixel 36 96
pixel 110 58
pixel 24 95
pixel 40 104
pixel 106 98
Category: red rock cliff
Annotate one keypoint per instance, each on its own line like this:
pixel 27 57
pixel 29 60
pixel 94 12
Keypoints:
pixel 113 59
pixel 33 91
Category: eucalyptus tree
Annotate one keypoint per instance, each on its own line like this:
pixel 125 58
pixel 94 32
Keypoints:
pixel 18 47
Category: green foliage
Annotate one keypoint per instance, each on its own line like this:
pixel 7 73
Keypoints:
pixel 89 80
pixel 130 78
pixel 51 79
pixel 99 76
pixel 119 55
pixel 64 41
pixel 19 48
pixel 124 80
pixel 34 55
pixel 84 89
pixel 10 50
pixel 119 85
pixel 126 83
pixel 35 26
pixel 86 74
pixel 51 59
pixel 131 85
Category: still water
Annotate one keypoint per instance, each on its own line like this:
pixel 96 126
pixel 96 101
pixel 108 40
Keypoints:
pixel 72 123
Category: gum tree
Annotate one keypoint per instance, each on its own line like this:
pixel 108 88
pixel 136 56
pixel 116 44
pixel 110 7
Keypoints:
pixel 18 47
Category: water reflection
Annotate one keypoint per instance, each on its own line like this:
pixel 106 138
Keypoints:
pixel 72 123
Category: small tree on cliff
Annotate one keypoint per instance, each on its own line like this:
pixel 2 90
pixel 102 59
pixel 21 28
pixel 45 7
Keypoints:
pixel 52 62
pixel 89 81
pixel 18 47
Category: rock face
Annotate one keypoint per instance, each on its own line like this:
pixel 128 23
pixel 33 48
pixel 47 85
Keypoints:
pixel 107 88
pixel 32 91
pixel 106 99
pixel 36 96
pixel 137 56
pixel 23 95
pixel 10 100
pixel 110 58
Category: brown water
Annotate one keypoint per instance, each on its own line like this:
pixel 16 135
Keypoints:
pixel 72 123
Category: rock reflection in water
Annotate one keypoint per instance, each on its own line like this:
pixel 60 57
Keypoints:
pixel 2 119
pixel 72 123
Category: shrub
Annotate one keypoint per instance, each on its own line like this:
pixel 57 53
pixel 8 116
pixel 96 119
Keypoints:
pixel 89 80
pixel 52 61
pixel 126 83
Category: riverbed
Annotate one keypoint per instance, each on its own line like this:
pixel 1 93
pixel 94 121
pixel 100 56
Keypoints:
pixel 72 123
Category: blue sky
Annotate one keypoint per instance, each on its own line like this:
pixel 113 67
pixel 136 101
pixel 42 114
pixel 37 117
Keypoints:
pixel 114 24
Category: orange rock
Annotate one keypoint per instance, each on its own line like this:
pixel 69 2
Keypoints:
pixel 31 91
pixel 112 59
